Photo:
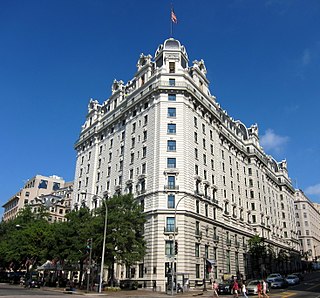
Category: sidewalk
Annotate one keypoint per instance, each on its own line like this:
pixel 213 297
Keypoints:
pixel 143 293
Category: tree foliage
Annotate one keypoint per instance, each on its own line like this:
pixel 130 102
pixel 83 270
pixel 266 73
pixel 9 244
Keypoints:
pixel 30 239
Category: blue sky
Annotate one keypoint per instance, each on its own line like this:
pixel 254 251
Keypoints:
pixel 262 57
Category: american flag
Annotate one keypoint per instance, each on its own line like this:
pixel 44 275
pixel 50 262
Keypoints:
pixel 173 17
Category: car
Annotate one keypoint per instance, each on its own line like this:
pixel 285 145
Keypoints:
pixel 129 284
pixel 32 283
pixel 279 283
pixel 292 279
pixel 225 287
pixel 252 288
pixel 273 276
pixel 300 275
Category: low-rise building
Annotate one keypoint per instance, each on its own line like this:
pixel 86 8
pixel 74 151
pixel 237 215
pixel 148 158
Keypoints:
pixel 34 187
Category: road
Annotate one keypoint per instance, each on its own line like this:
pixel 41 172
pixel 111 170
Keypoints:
pixel 309 288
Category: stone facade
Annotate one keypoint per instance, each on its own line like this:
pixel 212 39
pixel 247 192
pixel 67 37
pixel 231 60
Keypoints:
pixel 307 217
pixel 163 137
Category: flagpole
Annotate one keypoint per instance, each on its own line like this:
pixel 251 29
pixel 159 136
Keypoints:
pixel 171 23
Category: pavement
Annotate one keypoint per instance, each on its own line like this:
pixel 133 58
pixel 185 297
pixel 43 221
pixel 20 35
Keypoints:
pixel 140 293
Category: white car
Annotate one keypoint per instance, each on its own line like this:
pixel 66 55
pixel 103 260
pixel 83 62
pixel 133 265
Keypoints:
pixel 292 279
pixel 273 276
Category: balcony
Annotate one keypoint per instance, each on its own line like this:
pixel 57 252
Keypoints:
pixel 198 234
pixel 170 230
pixel 171 187
pixel 141 192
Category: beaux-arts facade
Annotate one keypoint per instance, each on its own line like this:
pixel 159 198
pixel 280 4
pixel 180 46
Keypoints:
pixel 163 137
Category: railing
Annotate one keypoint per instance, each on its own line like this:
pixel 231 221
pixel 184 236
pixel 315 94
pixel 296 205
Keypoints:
pixel 170 230
pixel 199 234
pixel 171 187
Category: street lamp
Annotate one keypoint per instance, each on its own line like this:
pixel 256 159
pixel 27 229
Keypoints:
pixel 104 233
pixel 174 243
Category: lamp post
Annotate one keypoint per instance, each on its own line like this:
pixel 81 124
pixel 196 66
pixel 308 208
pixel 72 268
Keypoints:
pixel 104 234
pixel 174 242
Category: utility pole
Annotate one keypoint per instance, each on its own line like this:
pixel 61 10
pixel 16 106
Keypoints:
pixel 89 246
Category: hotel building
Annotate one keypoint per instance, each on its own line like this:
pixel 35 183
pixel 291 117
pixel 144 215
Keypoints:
pixel 202 177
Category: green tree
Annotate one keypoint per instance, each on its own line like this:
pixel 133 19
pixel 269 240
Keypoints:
pixel 23 241
pixel 257 251
pixel 124 242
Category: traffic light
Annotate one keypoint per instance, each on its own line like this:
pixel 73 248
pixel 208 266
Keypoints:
pixel 89 245
pixel 176 247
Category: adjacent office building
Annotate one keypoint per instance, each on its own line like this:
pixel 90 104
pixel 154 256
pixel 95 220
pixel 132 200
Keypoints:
pixel 36 186
pixel 307 217
pixel 202 177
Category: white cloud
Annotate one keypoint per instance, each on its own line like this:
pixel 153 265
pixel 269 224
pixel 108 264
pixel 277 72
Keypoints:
pixel 273 142
pixel 313 190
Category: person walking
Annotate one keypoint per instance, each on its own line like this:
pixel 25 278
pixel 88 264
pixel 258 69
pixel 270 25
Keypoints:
pixel 235 289
pixel 215 287
pixel 259 288
pixel 264 289
pixel 244 290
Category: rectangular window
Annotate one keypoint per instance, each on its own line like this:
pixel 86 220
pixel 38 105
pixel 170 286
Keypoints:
pixel 172 97
pixel 43 184
pixel 144 151
pixel 169 248
pixel 171 162
pixel 197 250
pixel 171 201
pixel 56 186
pixel 172 67
pixel 170 224
pixel 171 112
pixel 197 270
pixel 171 145
pixel 228 262
pixel 171 182
pixel 172 82
pixel 171 128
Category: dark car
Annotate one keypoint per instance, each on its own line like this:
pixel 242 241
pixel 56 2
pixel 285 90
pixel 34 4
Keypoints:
pixel 128 284
pixel 225 287
pixel 300 275
pixel 279 283
pixel 34 283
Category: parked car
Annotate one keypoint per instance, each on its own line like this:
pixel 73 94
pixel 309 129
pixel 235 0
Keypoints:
pixel 292 280
pixel 300 275
pixel 32 283
pixel 225 287
pixel 252 288
pixel 129 284
pixel 279 283
pixel 273 276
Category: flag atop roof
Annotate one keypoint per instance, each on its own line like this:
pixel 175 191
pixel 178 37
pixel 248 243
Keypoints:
pixel 173 17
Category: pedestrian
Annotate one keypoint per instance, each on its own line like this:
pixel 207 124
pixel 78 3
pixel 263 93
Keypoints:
pixel 215 287
pixel 244 290
pixel 154 286
pixel 235 289
pixel 264 289
pixel 259 289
